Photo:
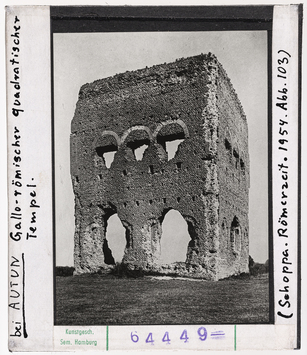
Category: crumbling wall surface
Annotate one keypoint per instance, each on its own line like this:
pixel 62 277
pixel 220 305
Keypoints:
pixel 233 176
pixel 150 108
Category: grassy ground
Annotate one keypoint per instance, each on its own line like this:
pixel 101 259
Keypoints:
pixel 99 300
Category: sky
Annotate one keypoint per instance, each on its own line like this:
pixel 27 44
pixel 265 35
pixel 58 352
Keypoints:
pixel 81 58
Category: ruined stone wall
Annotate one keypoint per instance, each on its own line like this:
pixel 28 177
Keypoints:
pixel 153 106
pixel 233 176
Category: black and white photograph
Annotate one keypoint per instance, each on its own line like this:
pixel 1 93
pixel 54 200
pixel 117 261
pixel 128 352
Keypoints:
pixel 161 177
pixel 154 177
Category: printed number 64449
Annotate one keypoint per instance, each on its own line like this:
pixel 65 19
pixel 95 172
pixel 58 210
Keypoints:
pixel 202 334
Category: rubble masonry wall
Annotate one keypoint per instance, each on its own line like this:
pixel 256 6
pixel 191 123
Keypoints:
pixel 191 99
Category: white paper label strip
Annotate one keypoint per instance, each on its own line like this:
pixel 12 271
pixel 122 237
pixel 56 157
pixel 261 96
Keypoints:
pixel 30 178
pixel 285 161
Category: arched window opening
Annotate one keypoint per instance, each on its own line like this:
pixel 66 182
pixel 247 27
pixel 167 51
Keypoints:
pixel 175 238
pixel 107 149
pixel 170 137
pixel 138 140
pixel 107 154
pixel 172 147
pixel 116 237
pixel 235 235
pixel 138 147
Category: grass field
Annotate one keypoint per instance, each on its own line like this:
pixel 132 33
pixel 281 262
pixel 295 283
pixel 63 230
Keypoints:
pixel 100 300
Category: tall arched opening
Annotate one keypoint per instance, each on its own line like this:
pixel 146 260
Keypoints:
pixel 175 238
pixel 116 239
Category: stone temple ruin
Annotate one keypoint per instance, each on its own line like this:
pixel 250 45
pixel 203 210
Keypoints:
pixel 207 180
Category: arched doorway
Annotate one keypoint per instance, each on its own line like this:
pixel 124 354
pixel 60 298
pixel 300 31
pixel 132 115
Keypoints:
pixel 175 238
pixel 116 237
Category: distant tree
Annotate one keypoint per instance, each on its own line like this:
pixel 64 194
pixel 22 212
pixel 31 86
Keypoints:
pixel 64 271
pixel 261 269
pixel 251 263
pixel 257 268
pixel 267 267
